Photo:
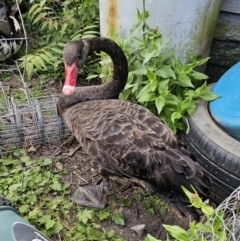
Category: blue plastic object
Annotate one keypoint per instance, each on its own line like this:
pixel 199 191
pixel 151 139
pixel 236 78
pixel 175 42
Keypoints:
pixel 226 109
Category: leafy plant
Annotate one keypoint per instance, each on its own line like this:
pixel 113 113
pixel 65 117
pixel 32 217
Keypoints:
pixel 157 79
pixel 212 227
pixel 36 187
pixel 57 23
pixel 119 218
pixel 154 205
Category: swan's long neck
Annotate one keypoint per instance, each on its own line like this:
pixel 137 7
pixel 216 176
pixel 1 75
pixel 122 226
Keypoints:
pixel 105 91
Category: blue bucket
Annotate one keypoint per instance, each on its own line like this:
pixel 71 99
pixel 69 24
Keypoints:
pixel 226 110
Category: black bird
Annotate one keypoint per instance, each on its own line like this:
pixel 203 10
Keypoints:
pixel 10 31
pixel 126 139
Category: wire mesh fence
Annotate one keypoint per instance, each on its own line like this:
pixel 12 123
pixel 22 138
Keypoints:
pixel 25 121
pixel 225 225
pixel 29 122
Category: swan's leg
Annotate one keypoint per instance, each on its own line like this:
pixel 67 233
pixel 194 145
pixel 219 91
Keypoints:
pixel 69 141
pixel 74 149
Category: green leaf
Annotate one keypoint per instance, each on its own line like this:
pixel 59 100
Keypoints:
pixel 49 224
pixel 159 103
pixel 199 76
pixel 166 72
pixel 57 227
pixel 151 211
pixel 38 62
pixel 39 17
pixel 23 209
pixel 56 185
pixel 208 210
pixel 84 216
pixel 177 232
pixel 57 50
pixel 42 2
pixel 194 198
pixel 148 55
pixel 45 58
pixel 204 93
pixel 146 97
pixel 127 202
pixel 185 81
pixel 119 218
pixel 163 86
pixel 151 238
pixel 202 61
pixel 175 116
pixel 33 11
pixel 152 79
pixel 140 71
pixel 26 160
pixel 137 197
pixel 102 214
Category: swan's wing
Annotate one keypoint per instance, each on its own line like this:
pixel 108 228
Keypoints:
pixel 131 136
pixel 118 119
pixel 126 139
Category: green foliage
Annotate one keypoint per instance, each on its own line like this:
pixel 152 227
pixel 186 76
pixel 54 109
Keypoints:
pixel 212 227
pixel 119 218
pixel 154 205
pixel 157 79
pixel 36 187
pixel 57 22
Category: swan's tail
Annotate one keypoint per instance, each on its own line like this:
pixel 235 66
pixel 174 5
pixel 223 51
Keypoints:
pixel 180 170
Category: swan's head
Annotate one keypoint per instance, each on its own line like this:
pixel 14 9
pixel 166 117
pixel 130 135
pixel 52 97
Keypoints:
pixel 75 54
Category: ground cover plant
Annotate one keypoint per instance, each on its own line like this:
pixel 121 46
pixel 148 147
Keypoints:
pixel 35 186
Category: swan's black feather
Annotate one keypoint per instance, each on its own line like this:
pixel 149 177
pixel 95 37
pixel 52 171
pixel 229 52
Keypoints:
pixel 128 140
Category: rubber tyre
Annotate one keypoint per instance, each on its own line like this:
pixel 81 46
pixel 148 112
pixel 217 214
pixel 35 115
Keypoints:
pixel 215 151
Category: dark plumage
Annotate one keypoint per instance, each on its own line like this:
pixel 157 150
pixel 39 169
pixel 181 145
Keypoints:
pixel 10 31
pixel 125 138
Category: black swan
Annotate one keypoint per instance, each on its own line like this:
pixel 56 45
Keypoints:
pixel 10 31
pixel 126 139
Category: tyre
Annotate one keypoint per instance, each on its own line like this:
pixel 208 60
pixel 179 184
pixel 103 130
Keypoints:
pixel 215 151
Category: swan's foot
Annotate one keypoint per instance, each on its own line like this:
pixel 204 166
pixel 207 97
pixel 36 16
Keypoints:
pixel 91 195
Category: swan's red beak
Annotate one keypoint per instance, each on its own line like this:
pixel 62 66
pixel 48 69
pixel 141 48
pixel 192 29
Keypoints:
pixel 70 78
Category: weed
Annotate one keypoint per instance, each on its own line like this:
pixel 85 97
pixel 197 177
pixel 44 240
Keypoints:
pixel 36 187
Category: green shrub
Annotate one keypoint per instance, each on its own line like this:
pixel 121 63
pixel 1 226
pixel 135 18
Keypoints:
pixel 56 23
pixel 157 79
